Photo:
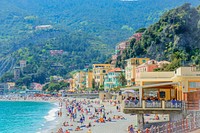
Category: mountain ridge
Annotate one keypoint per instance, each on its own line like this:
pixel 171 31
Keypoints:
pixel 70 30
pixel 175 37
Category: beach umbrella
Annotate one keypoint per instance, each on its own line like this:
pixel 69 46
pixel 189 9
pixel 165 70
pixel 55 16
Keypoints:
pixel 128 91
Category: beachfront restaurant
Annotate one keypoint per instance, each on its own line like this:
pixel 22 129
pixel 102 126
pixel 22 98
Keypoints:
pixel 156 90
pixel 161 91
pixel 164 90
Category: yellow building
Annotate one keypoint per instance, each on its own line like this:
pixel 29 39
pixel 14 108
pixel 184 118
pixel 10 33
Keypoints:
pixel 188 79
pixel 11 85
pixel 156 84
pixel 168 85
pixel 74 81
pixel 89 78
pixel 79 80
pixel 130 69
pixel 99 70
pixel 71 84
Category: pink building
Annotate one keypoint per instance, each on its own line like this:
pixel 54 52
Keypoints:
pixel 114 59
pixel 36 86
pixel 137 36
pixel 121 47
pixel 43 27
pixel 149 66
pixel 56 52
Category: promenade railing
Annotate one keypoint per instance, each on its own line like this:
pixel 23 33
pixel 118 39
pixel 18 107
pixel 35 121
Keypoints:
pixel 132 104
pixel 153 104
pixel 191 123
pixel 173 104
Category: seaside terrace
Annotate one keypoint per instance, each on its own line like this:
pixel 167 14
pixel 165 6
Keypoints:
pixel 156 93
pixel 153 104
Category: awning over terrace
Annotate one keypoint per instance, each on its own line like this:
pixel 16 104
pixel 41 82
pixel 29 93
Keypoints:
pixel 148 86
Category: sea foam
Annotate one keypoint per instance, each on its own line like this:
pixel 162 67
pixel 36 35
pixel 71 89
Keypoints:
pixel 51 114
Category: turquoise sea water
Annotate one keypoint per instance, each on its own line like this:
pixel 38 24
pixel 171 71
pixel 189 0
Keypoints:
pixel 25 117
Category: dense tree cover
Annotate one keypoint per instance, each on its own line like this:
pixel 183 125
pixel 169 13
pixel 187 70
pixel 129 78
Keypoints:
pixel 82 29
pixel 79 51
pixel 109 20
pixel 56 86
pixel 175 37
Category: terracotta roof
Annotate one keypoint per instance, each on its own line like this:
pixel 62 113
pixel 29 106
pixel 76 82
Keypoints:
pixel 137 36
pixel 164 62
pixel 150 62
pixel 115 70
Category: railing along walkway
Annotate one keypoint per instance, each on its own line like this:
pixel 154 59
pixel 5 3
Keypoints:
pixel 153 104
pixel 191 123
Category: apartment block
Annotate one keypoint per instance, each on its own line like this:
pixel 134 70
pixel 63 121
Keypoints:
pixel 99 71
pixel 130 69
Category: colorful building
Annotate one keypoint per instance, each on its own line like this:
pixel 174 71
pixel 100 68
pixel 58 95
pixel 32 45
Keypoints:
pixel 114 60
pixel 156 84
pixel 3 88
pixel 11 85
pixel 130 69
pixel 121 47
pixel 112 78
pixel 56 52
pixel 17 72
pixel 71 84
pixel 79 80
pixel 168 85
pixel 36 86
pixel 99 71
pixel 89 79
pixel 137 36
pixel 149 66
pixel 56 78
pixel 188 79
pixel 22 63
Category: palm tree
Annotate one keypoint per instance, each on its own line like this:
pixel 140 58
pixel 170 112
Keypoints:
pixel 122 79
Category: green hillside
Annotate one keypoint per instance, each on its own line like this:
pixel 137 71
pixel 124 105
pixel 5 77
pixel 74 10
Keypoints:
pixel 86 32
pixel 110 20
pixel 175 37
pixel 41 63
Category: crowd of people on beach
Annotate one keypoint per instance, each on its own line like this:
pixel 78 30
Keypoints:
pixel 77 111
pixel 150 101
pixel 84 114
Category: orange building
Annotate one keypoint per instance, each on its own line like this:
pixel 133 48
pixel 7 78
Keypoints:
pixel 89 78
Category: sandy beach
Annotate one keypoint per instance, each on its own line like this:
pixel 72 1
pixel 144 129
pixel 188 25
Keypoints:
pixel 119 125
pixel 119 121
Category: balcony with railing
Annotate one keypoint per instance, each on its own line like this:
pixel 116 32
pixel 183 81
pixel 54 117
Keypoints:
pixel 173 104
pixel 152 106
